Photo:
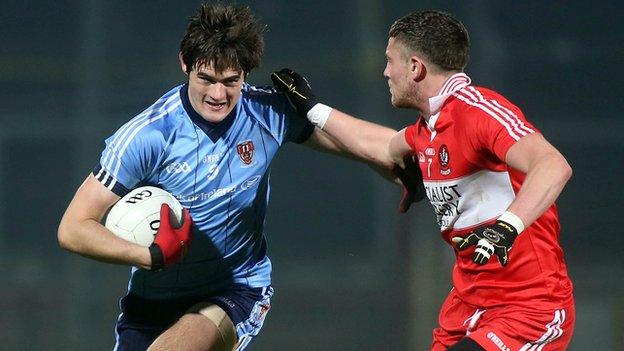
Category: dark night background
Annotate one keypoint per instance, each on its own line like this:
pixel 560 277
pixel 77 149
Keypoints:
pixel 350 272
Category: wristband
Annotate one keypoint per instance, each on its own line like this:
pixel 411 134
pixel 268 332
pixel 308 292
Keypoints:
pixel 513 220
pixel 319 114
pixel 158 259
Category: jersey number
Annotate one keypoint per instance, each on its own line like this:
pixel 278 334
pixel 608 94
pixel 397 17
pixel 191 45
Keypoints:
pixel 429 160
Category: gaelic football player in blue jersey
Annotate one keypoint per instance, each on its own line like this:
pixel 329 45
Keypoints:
pixel 209 142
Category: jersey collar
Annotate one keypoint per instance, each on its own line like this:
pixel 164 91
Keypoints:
pixel 454 83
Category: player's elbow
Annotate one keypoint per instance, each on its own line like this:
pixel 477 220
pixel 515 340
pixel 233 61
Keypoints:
pixel 64 236
pixel 566 170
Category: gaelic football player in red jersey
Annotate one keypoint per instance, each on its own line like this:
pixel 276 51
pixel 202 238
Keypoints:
pixel 492 179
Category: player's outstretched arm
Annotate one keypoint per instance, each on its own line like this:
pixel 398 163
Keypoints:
pixel 336 132
pixel 80 230
pixel 340 133
pixel 397 147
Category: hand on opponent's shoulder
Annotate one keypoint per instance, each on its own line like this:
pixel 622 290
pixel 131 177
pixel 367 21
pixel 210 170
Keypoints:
pixel 296 88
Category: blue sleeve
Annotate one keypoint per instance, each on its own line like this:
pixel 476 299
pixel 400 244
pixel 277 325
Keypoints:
pixel 299 128
pixel 129 157
pixel 274 110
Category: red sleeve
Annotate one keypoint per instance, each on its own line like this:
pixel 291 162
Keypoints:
pixel 410 136
pixel 490 127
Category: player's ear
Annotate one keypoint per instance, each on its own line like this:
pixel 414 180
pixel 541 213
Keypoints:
pixel 418 69
pixel 182 64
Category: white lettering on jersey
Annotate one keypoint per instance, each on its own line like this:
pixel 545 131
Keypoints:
pixel 214 158
pixel 176 167
pixel 497 341
pixel 213 171
pixel 464 202
pixel 212 194
pixel 250 182
pixel 221 191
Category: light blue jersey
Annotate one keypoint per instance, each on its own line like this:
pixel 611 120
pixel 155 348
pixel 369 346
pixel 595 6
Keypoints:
pixel 219 171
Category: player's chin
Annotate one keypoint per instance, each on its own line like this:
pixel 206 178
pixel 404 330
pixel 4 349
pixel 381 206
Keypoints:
pixel 215 116
pixel 396 102
pixel 401 102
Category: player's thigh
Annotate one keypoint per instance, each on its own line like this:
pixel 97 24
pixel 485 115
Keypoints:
pixel 130 339
pixel 133 336
pixel 453 322
pixel 205 327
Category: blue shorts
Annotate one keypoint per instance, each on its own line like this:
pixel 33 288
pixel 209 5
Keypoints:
pixel 141 320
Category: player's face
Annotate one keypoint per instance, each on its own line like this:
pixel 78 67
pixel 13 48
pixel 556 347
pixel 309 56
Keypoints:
pixel 214 94
pixel 397 73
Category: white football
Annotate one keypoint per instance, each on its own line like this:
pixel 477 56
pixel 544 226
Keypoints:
pixel 136 216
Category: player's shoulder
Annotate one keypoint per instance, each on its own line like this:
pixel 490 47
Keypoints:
pixel 479 102
pixel 471 97
pixel 261 95
pixel 157 121
pixel 263 103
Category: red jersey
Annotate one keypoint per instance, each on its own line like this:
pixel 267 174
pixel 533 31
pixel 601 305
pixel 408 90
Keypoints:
pixel 461 152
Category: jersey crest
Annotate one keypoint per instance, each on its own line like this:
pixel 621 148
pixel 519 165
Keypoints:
pixel 444 159
pixel 245 151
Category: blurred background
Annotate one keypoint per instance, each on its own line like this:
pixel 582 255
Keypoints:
pixel 351 273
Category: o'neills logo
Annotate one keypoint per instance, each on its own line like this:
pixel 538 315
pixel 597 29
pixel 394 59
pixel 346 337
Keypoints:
pixel 498 342
pixel 246 151
pixel 444 158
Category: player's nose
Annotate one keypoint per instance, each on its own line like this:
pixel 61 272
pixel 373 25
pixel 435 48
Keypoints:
pixel 217 92
pixel 386 72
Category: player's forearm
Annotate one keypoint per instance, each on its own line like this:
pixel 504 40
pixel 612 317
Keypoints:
pixel 543 184
pixel 363 140
pixel 91 239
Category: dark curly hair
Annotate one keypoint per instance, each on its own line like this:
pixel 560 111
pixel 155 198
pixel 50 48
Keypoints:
pixel 441 38
pixel 227 36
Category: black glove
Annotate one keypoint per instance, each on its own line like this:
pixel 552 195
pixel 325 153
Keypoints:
pixel 296 88
pixel 495 238
pixel 413 187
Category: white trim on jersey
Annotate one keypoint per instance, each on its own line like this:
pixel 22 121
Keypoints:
pixel 515 126
pixel 106 178
pixel 99 174
pixel 253 88
pixel 123 131
pixel 131 136
pixel 506 112
pixel 455 82
pixel 553 331
pixel 131 129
